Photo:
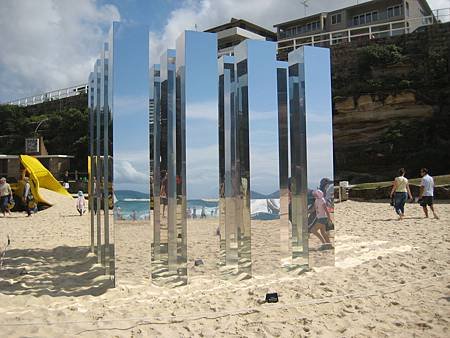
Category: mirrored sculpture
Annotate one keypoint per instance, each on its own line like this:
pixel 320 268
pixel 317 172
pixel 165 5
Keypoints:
pixel 312 188
pixel 284 165
pixel 257 142
pixel 164 106
pixel 130 103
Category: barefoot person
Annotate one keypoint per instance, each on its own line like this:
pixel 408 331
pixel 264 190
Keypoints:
pixel 27 197
pixel 6 195
pixel 426 192
pixel 400 191
pixel 81 203
pixel 319 226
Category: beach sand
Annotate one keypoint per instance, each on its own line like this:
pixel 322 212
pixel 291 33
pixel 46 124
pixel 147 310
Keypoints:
pixel 391 279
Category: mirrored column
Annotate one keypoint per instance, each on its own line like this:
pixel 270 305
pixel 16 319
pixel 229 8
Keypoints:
pixel 130 100
pixel 257 118
pixel 91 159
pixel 166 101
pixel 283 151
pixel 229 171
pixel 311 155
pixel 197 153
pixel 98 158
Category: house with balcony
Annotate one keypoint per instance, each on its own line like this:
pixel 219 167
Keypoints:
pixel 368 20
pixel 232 33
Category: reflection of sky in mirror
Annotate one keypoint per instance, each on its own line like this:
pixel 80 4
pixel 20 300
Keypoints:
pixel 263 115
pixel 319 127
pixel 130 106
pixel 201 82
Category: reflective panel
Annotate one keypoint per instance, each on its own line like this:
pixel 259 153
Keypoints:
pixel 311 155
pixel 164 102
pixel 283 151
pixel 91 159
pixel 229 183
pixel 98 158
pixel 196 147
pixel 257 118
pixel 130 100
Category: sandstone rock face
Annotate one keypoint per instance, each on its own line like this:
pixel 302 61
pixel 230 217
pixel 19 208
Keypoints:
pixel 403 98
pixel 343 104
pixel 362 132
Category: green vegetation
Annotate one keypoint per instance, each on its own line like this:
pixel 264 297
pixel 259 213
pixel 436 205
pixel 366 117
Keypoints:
pixel 376 55
pixel 64 132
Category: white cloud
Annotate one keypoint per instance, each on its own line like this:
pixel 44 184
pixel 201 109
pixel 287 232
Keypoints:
pixel 209 13
pixel 205 14
pixel 52 44
pixel 125 172
pixel 49 44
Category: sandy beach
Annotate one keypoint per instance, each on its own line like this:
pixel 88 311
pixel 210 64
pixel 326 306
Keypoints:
pixel 391 278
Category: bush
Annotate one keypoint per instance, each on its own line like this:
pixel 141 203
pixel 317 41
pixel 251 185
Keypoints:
pixel 375 55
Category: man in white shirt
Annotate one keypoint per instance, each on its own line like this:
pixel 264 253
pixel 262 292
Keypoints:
pixel 426 192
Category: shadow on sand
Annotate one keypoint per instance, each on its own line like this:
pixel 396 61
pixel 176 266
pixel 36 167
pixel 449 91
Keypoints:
pixel 62 271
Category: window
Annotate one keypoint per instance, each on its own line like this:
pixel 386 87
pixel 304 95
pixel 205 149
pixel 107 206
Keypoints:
pixel 365 18
pixel 395 11
pixel 336 18
pixel 362 19
pixel 375 16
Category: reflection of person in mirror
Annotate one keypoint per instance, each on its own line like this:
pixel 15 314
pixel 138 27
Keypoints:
pixel 81 203
pixel 119 213
pixel 203 214
pixel 318 227
pixel 327 187
pixel 426 192
pixel 400 192
pixel 163 191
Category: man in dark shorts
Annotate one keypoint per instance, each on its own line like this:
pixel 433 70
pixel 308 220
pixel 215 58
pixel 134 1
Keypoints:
pixel 426 192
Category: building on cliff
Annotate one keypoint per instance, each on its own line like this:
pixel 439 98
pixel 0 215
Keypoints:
pixel 368 20
pixel 232 33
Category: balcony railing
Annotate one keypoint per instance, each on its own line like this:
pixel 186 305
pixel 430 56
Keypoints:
pixel 50 96
pixel 373 31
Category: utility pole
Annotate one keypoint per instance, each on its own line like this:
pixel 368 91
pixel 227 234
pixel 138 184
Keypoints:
pixel 305 5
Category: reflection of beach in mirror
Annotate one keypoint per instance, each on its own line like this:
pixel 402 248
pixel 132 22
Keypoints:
pixel 319 145
pixel 130 102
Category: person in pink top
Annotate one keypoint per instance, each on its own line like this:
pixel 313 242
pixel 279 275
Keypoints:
pixel 318 227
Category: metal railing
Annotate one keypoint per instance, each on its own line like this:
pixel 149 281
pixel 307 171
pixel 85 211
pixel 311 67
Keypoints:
pixel 50 96
pixel 374 31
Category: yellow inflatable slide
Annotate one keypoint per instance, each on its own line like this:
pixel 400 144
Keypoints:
pixel 41 178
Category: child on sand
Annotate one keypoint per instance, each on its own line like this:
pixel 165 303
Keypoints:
pixel 81 203
pixel 318 228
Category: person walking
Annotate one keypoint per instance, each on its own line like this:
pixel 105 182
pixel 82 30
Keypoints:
pixel 426 194
pixel 323 218
pixel 81 203
pixel 6 195
pixel 27 196
pixel 400 192
pixel 203 213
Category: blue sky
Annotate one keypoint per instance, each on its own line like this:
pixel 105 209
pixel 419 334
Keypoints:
pixel 56 48
pixel 154 13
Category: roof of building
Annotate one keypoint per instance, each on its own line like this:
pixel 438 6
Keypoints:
pixel 245 25
pixel 361 5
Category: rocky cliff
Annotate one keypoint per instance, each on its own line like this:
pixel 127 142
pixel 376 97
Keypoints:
pixel 392 105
